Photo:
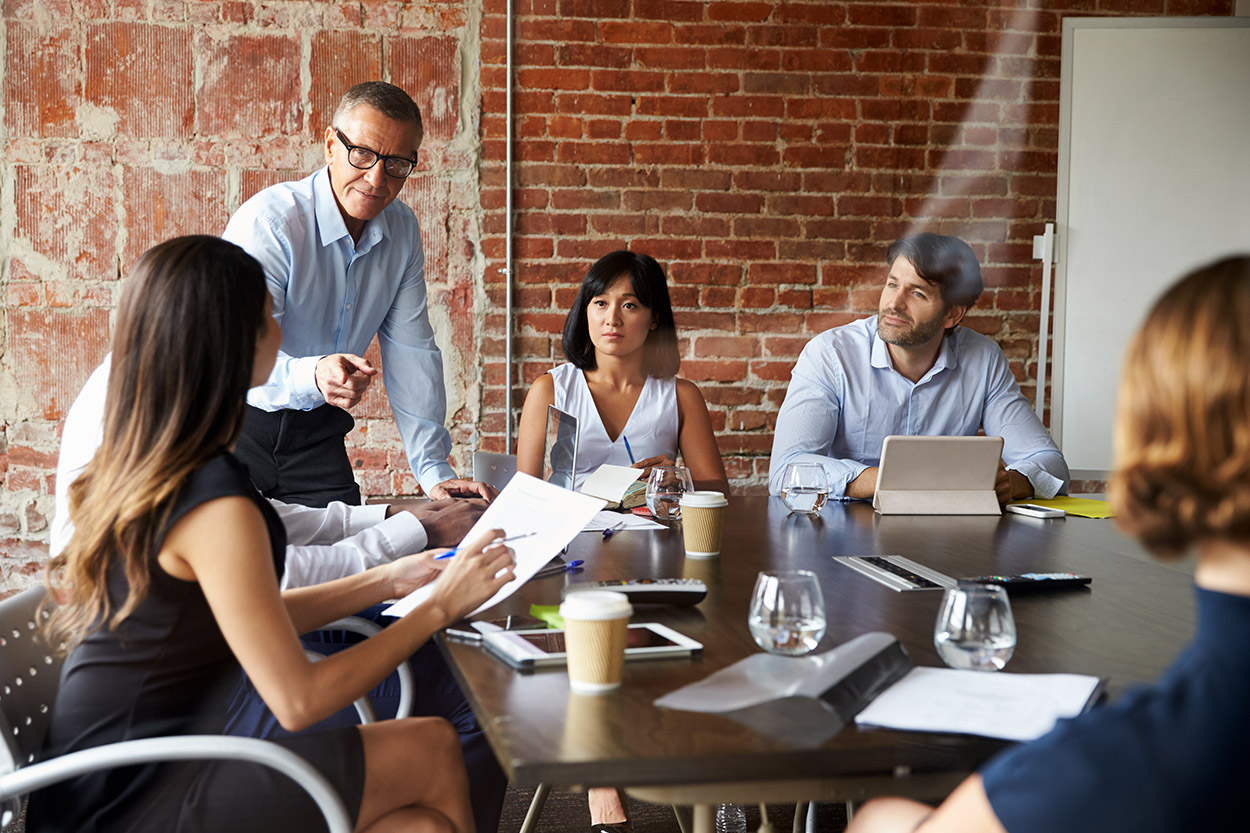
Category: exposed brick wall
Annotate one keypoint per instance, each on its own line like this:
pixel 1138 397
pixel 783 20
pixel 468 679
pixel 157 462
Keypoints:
pixel 126 122
pixel 766 151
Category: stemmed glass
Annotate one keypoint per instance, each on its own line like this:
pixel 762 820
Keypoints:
pixel 975 629
pixel 665 485
pixel 787 612
pixel 805 487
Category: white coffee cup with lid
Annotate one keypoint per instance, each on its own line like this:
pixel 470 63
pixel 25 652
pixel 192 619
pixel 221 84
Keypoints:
pixel 596 626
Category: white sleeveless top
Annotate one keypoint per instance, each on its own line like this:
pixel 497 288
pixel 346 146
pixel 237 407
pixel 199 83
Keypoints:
pixel 651 428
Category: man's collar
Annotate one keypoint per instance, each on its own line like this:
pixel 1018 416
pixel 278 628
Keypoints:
pixel 330 223
pixel 947 357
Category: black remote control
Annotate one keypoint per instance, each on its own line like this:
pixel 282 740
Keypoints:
pixel 1034 582
pixel 655 591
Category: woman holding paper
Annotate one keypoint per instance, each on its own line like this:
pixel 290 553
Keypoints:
pixel 1171 756
pixel 621 381
pixel 170 584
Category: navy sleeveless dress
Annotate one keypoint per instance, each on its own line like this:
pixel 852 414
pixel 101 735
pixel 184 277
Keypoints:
pixel 167 670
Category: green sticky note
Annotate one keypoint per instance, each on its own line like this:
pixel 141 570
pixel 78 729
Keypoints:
pixel 549 614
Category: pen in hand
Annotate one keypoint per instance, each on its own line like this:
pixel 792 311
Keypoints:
pixel 628 450
pixel 456 549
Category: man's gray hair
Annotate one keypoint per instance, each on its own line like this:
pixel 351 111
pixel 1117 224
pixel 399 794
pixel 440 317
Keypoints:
pixel 387 99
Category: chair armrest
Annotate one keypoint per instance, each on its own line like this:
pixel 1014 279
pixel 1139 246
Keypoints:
pixel 363 627
pixel 183 748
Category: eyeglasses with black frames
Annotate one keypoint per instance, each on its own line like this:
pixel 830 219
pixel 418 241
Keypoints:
pixel 364 159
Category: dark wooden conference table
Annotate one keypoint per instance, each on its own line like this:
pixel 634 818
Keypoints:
pixel 1126 627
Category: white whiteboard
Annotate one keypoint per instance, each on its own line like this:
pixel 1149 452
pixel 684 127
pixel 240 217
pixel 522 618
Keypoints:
pixel 1154 180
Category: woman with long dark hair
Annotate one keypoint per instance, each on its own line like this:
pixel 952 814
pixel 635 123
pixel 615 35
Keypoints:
pixel 621 380
pixel 1170 756
pixel 170 584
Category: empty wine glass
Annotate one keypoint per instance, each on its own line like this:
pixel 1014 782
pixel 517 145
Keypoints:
pixel 665 485
pixel 975 629
pixel 787 612
pixel 805 487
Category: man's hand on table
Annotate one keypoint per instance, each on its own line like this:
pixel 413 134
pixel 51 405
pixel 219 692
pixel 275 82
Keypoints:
pixel 446 521
pixel 463 488
pixel 343 378
pixel 1011 485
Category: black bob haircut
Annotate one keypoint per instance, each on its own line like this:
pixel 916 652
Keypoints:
pixel 649 283
pixel 946 261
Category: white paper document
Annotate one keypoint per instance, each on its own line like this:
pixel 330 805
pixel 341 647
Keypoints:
pixel 620 521
pixel 991 704
pixel 525 505
pixel 609 482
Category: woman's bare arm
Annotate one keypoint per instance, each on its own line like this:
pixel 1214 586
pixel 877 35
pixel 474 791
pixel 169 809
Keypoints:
pixel 696 440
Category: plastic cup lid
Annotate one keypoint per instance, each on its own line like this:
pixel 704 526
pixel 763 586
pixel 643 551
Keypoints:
pixel 703 499
pixel 596 605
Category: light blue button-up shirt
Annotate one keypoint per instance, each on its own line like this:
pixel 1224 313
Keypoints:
pixel 333 296
pixel 845 398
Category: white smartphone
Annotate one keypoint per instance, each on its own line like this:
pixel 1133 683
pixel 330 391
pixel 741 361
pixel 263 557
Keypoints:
pixel 1032 510
pixel 527 650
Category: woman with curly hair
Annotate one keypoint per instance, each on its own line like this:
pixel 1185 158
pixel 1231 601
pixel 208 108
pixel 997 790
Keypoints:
pixel 1173 755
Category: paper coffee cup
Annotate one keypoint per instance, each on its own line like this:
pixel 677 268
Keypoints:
pixel 596 625
pixel 702 519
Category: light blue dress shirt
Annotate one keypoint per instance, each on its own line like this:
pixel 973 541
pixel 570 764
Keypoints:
pixel 333 296
pixel 845 398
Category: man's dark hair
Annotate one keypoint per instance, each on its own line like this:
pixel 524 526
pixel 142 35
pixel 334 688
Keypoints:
pixel 946 261
pixel 646 276
pixel 387 99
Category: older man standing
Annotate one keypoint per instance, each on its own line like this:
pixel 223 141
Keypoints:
pixel 911 369
pixel 344 263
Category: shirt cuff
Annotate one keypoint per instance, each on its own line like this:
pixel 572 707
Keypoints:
pixel 360 518
pixel 434 475
pixel 303 383
pixel 404 534
pixel 1045 484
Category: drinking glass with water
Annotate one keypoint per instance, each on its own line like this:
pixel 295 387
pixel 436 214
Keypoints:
pixel 975 629
pixel 805 487
pixel 787 612
pixel 665 486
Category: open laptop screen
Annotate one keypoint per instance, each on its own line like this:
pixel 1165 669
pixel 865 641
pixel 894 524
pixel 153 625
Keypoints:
pixel 560 448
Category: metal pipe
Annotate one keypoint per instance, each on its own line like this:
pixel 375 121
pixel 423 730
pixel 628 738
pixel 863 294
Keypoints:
pixel 507 257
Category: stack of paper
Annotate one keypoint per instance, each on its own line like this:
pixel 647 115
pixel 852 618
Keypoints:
pixel 995 705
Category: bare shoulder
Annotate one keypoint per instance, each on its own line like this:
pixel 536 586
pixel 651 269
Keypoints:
pixel 218 530
pixel 688 390
pixel 543 388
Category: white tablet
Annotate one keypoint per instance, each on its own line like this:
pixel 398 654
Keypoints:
pixel 532 649
pixel 938 476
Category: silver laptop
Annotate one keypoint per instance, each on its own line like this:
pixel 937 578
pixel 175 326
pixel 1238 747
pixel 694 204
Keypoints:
pixel 938 476
pixel 493 469
pixel 560 449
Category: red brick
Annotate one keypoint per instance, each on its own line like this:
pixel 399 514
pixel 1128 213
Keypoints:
pixel 67 213
pixel 339 59
pixel 55 351
pixel 249 87
pixel 635 32
pixel 160 206
pixel 723 347
pixel 42 85
pixel 122 59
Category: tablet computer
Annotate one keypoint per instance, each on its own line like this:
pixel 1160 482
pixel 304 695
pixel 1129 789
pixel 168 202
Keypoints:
pixel 530 649
pixel 938 476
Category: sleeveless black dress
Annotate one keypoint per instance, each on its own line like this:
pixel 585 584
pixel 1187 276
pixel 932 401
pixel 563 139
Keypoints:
pixel 167 670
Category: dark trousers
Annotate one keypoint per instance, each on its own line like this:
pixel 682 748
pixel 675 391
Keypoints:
pixel 436 695
pixel 299 456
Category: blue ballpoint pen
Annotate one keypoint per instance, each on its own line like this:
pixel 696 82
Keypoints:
pixel 628 450
pixel 456 549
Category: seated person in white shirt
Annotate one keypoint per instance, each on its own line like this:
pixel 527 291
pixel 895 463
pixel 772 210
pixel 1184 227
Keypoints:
pixel 1170 756
pixel 912 370
pixel 323 544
